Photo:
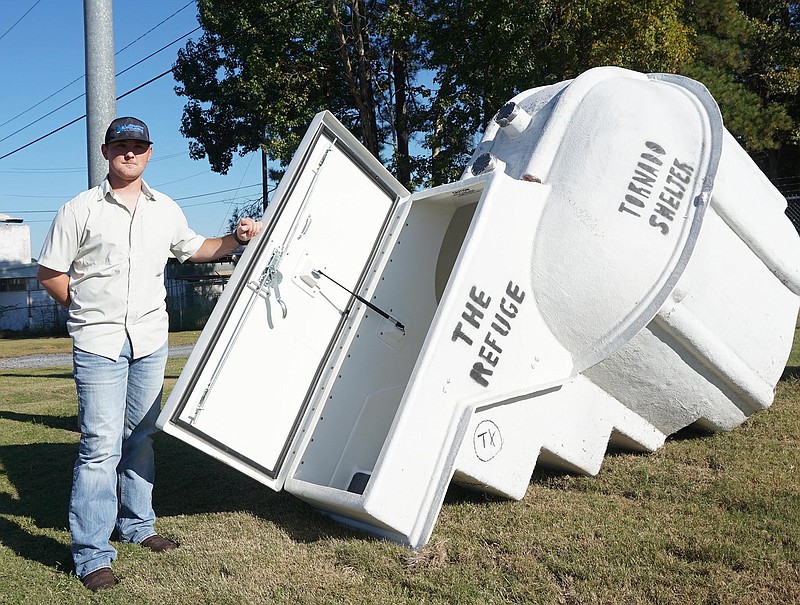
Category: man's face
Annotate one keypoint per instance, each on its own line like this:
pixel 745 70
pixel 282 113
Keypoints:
pixel 127 159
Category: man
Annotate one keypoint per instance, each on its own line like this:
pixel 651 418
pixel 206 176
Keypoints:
pixel 104 260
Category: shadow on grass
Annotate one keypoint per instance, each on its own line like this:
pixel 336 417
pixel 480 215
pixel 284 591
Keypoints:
pixel 791 373
pixel 41 476
pixel 188 483
pixel 458 494
pixel 66 423
pixel 691 433
pixel 37 373
pixel 38 548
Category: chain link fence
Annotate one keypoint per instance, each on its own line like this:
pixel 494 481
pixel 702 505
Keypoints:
pixel 190 311
pixel 46 319
pixel 793 210
pixel 32 312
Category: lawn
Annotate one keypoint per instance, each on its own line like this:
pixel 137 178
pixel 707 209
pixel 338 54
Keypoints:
pixel 706 519
pixel 19 347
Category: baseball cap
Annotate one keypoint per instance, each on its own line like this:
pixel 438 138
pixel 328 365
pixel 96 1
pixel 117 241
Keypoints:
pixel 127 128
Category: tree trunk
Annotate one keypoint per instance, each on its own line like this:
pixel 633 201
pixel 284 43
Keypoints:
pixel 369 121
pixel 359 78
pixel 399 74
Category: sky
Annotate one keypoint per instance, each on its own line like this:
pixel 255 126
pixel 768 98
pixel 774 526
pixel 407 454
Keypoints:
pixel 42 65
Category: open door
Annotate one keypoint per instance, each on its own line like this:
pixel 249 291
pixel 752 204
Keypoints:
pixel 247 385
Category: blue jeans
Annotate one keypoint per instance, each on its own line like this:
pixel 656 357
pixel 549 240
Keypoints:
pixel 112 483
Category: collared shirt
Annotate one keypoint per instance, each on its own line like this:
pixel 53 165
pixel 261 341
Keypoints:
pixel 116 262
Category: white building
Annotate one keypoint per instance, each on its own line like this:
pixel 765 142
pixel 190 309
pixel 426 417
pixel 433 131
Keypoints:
pixel 24 305
pixel 192 288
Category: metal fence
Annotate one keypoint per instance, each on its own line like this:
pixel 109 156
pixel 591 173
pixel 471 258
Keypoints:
pixel 188 305
pixel 190 311
pixel 793 210
pixel 47 318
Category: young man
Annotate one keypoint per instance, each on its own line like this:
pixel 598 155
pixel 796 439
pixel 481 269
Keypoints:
pixel 104 260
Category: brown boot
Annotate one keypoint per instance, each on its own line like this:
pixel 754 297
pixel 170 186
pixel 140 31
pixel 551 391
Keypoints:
pixel 159 543
pixel 100 579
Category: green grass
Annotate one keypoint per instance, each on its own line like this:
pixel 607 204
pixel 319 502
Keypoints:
pixel 19 347
pixel 706 519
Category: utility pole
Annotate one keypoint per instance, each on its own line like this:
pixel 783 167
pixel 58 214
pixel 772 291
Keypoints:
pixel 264 173
pixel 101 87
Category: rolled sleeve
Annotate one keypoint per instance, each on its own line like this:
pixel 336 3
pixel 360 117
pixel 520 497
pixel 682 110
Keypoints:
pixel 62 242
pixel 186 242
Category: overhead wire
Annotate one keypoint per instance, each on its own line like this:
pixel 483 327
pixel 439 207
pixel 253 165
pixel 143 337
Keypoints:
pixel 177 199
pixel 81 77
pixel 230 204
pixel 52 132
pixel 226 200
pixel 219 43
pixel 5 33
pixel 72 100
pixel 66 170
pixel 150 81
pixel 155 27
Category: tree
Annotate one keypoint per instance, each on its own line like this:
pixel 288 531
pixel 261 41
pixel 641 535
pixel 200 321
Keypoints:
pixel 773 74
pixel 263 68
pixel 484 52
pixel 434 72
pixel 258 72
pixel 730 59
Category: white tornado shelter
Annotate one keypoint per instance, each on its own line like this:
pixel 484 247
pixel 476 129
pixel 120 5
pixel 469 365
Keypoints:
pixel 612 267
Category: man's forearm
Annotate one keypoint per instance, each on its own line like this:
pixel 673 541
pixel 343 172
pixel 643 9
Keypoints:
pixel 56 284
pixel 214 248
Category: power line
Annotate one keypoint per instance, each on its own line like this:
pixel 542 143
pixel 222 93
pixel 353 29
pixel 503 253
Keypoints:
pixel 191 197
pixel 78 119
pixel 52 132
pixel 237 191
pixel 32 107
pixel 159 158
pixel 218 44
pixel 225 201
pixel 20 19
pixel 185 178
pixel 177 199
pixel 126 47
pixel 35 197
pixel 47 98
pixel 39 119
pixel 116 75
pixel 42 170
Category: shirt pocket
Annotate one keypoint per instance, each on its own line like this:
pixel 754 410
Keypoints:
pixel 150 241
pixel 103 250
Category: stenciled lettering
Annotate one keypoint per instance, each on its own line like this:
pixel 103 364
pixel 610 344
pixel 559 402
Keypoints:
pixel 459 333
pixel 643 179
pixel 643 197
pixel 490 349
pixel 680 175
pixel 472 315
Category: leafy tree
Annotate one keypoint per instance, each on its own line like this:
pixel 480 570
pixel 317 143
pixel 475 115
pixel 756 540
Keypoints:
pixel 727 60
pixel 399 71
pixel 258 72
pixel 774 75
pixel 484 52
pixel 263 68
